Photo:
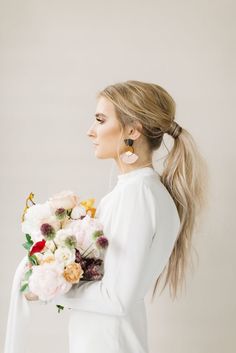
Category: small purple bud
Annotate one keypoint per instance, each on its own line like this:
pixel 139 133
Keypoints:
pixel 48 231
pixel 60 213
pixel 102 242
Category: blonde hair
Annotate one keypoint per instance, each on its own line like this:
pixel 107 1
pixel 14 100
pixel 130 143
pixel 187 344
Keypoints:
pixel 184 174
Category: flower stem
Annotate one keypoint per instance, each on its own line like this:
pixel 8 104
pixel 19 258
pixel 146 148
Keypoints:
pixel 54 243
pixel 86 249
pixel 89 253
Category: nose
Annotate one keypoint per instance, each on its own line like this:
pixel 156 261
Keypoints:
pixel 90 131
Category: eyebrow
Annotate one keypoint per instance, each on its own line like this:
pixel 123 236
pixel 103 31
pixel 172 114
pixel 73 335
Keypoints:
pixel 100 114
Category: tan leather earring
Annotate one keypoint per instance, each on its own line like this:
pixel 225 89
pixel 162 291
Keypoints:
pixel 128 156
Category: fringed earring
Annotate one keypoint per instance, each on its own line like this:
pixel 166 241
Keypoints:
pixel 129 156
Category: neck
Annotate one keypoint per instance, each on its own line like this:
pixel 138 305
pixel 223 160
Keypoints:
pixel 124 168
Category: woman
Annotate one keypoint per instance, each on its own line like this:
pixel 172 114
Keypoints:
pixel 148 218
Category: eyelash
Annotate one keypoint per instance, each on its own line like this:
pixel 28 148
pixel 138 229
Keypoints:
pixel 100 121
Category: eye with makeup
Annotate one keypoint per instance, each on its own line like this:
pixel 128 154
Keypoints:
pixel 100 121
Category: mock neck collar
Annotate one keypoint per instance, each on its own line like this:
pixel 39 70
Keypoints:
pixel 136 173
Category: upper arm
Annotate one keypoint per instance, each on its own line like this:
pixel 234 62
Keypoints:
pixel 134 225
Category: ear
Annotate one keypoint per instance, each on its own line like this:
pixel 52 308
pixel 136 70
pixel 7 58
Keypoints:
pixel 133 131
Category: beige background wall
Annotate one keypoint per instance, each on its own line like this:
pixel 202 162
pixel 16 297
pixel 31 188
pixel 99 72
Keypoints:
pixel 55 56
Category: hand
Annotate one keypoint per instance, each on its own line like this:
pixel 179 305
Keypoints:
pixel 31 296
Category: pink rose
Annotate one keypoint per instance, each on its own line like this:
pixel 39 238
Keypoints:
pixel 83 229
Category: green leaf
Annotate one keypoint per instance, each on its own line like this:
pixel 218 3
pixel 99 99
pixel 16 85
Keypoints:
pixel 33 260
pixel 27 246
pixel 24 287
pixel 28 274
pixel 69 211
pixel 29 242
pixel 59 308
pixel 28 238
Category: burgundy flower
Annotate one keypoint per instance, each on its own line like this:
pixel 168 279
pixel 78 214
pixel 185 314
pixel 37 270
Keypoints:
pixel 93 272
pixel 102 242
pixel 48 231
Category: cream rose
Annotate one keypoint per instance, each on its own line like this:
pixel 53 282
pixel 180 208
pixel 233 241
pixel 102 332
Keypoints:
pixel 64 199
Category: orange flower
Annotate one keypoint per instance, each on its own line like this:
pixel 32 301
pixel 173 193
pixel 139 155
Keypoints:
pixel 73 272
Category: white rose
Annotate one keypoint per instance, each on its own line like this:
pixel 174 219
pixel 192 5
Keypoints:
pixel 47 281
pixel 64 199
pixel 35 216
pixel 78 211
pixel 61 236
pixel 50 245
pixel 65 255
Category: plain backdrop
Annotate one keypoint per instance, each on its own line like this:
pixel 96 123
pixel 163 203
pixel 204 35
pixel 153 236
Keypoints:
pixel 55 56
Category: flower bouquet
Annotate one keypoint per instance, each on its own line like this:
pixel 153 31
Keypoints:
pixel 65 245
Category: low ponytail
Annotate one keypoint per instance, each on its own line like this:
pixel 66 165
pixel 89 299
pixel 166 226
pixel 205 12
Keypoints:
pixel 185 177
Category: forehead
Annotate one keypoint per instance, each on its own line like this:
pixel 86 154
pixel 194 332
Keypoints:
pixel 105 107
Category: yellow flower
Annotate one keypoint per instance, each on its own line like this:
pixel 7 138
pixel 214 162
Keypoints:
pixel 88 206
pixel 73 272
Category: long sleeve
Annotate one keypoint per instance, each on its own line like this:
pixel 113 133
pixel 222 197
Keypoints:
pixel 133 226
pixel 18 316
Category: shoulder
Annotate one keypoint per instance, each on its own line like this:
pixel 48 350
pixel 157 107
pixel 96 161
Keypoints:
pixel 132 191
pixel 136 193
pixel 135 203
pixel 136 186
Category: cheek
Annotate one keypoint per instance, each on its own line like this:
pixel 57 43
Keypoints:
pixel 109 133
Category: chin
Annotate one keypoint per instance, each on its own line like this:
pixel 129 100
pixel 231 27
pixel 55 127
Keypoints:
pixel 101 156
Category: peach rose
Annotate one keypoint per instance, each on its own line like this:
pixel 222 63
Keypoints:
pixel 73 272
